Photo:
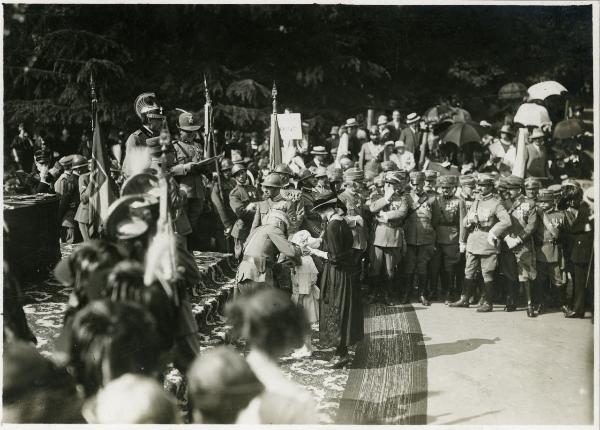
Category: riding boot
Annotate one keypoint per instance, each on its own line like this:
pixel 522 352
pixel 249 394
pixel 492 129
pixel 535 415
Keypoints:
pixel 563 299
pixel 463 302
pixel 407 288
pixel 488 290
pixel 447 285
pixel 510 296
pixel 374 283
pixel 527 291
pixel 423 290
pixel 387 292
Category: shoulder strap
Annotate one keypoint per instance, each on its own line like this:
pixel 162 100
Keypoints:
pixel 187 154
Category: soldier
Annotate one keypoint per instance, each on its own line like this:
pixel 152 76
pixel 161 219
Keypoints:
pixel 285 173
pixel 150 113
pixel 188 173
pixel 430 187
pixel 242 200
pixel 226 216
pixel 271 191
pixel 532 187
pixel 468 194
pixel 389 245
pixel 548 236
pixel 66 186
pixel 40 180
pixel 421 223
pixel 322 186
pixel 448 232
pixel 81 168
pixel 519 239
pixel 261 250
pixel 487 220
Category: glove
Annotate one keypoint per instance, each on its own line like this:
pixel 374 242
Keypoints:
pixel 492 239
pixel 462 247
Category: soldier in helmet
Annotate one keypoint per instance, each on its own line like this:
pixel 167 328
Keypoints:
pixel 389 245
pixel 532 187
pixel 285 173
pixel 519 239
pixel 220 201
pixel 486 220
pixel 448 232
pixel 271 191
pixel 243 201
pixel 187 172
pixel 421 223
pixel 150 113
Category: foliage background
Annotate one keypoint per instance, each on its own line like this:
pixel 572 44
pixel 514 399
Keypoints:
pixel 329 61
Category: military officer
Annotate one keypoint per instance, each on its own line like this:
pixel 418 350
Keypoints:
pixel 519 239
pixel 150 113
pixel 431 188
pixel 448 232
pixel 81 168
pixel 431 177
pixel 548 237
pixel 532 187
pixel 220 202
pixel 389 245
pixel 66 186
pixel 243 201
pixel 261 251
pixel 420 230
pixel 486 220
pixel 187 172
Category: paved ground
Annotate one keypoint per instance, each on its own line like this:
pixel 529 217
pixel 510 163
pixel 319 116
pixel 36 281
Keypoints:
pixel 424 365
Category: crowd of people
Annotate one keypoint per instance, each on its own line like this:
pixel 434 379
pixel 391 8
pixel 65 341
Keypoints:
pixel 383 215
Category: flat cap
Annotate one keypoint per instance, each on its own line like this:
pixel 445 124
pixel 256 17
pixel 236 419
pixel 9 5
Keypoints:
pixel 468 180
pixel 484 179
pixel 447 181
pixel 354 174
pixel 431 175
pixel 513 182
pixel 546 195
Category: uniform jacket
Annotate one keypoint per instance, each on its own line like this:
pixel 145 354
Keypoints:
pixel 263 246
pixel 549 235
pixel 82 215
pixel 135 139
pixel 389 233
pixel 239 198
pixel 486 214
pixel 422 220
pixel 187 153
pixel 467 201
pixel 295 212
pixel 355 206
pixel 67 187
pixel 452 213
pixel 580 234
pixel 523 217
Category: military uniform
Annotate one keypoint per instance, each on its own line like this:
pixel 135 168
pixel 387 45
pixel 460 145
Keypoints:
pixel 66 186
pixel 82 215
pixel 487 219
pixel 226 216
pixel 467 200
pixel 239 199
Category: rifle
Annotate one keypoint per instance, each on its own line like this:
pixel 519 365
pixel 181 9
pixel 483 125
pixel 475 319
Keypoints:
pixel 209 137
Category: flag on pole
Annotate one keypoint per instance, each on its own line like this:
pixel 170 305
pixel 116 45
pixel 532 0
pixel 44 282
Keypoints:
pixel 274 143
pixel 102 186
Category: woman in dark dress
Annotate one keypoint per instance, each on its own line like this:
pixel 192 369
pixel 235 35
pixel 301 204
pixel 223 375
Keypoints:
pixel 341 318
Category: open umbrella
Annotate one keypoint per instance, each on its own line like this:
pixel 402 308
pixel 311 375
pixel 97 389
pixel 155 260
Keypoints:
pixel 542 90
pixel 568 128
pixel 437 113
pixel 532 115
pixel 512 91
pixel 462 132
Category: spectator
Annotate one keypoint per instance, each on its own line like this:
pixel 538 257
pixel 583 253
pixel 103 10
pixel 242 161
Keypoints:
pixel 404 159
pixel 21 150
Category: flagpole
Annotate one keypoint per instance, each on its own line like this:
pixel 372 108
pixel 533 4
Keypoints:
pixel 94 101
pixel 210 137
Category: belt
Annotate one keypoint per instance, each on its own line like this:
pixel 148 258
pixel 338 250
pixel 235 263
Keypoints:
pixel 485 229
pixel 268 263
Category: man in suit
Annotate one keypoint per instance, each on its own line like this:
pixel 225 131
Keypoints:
pixel 411 135
pixel 536 156
pixel 395 125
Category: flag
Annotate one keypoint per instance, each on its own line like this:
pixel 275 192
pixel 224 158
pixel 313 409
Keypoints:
pixel 102 186
pixel 274 143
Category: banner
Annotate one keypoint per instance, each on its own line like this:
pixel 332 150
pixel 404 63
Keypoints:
pixel 290 126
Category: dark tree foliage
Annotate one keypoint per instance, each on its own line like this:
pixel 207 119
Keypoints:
pixel 329 61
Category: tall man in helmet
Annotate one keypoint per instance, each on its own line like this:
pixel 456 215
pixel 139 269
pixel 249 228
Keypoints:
pixel 150 113
pixel 188 173
pixel 486 220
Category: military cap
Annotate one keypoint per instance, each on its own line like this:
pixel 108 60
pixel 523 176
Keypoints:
pixel 387 166
pixel 66 161
pixel 546 195
pixel 186 122
pixel 305 174
pixel 447 181
pixel 393 178
pixel 513 182
pixel 533 183
pixel 79 161
pixel 503 183
pixel 389 143
pixel 41 156
pixel 372 169
pixel 320 172
pixel 570 182
pixel 237 168
pixel 273 181
pixel 431 175
pixel 335 174
pixel 417 177
pixel 226 164
pixel 485 179
pixel 283 169
pixel 145 105
pixel 354 174
pixel 467 180
pixel 555 189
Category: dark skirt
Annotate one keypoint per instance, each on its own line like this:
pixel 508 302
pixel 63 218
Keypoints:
pixel 341 316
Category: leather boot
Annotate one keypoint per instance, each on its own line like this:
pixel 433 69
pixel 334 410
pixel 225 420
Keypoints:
pixel 423 290
pixel 527 291
pixel 407 288
pixel 447 283
pixel 463 302
pixel 511 305
pixel 563 300
pixel 488 291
